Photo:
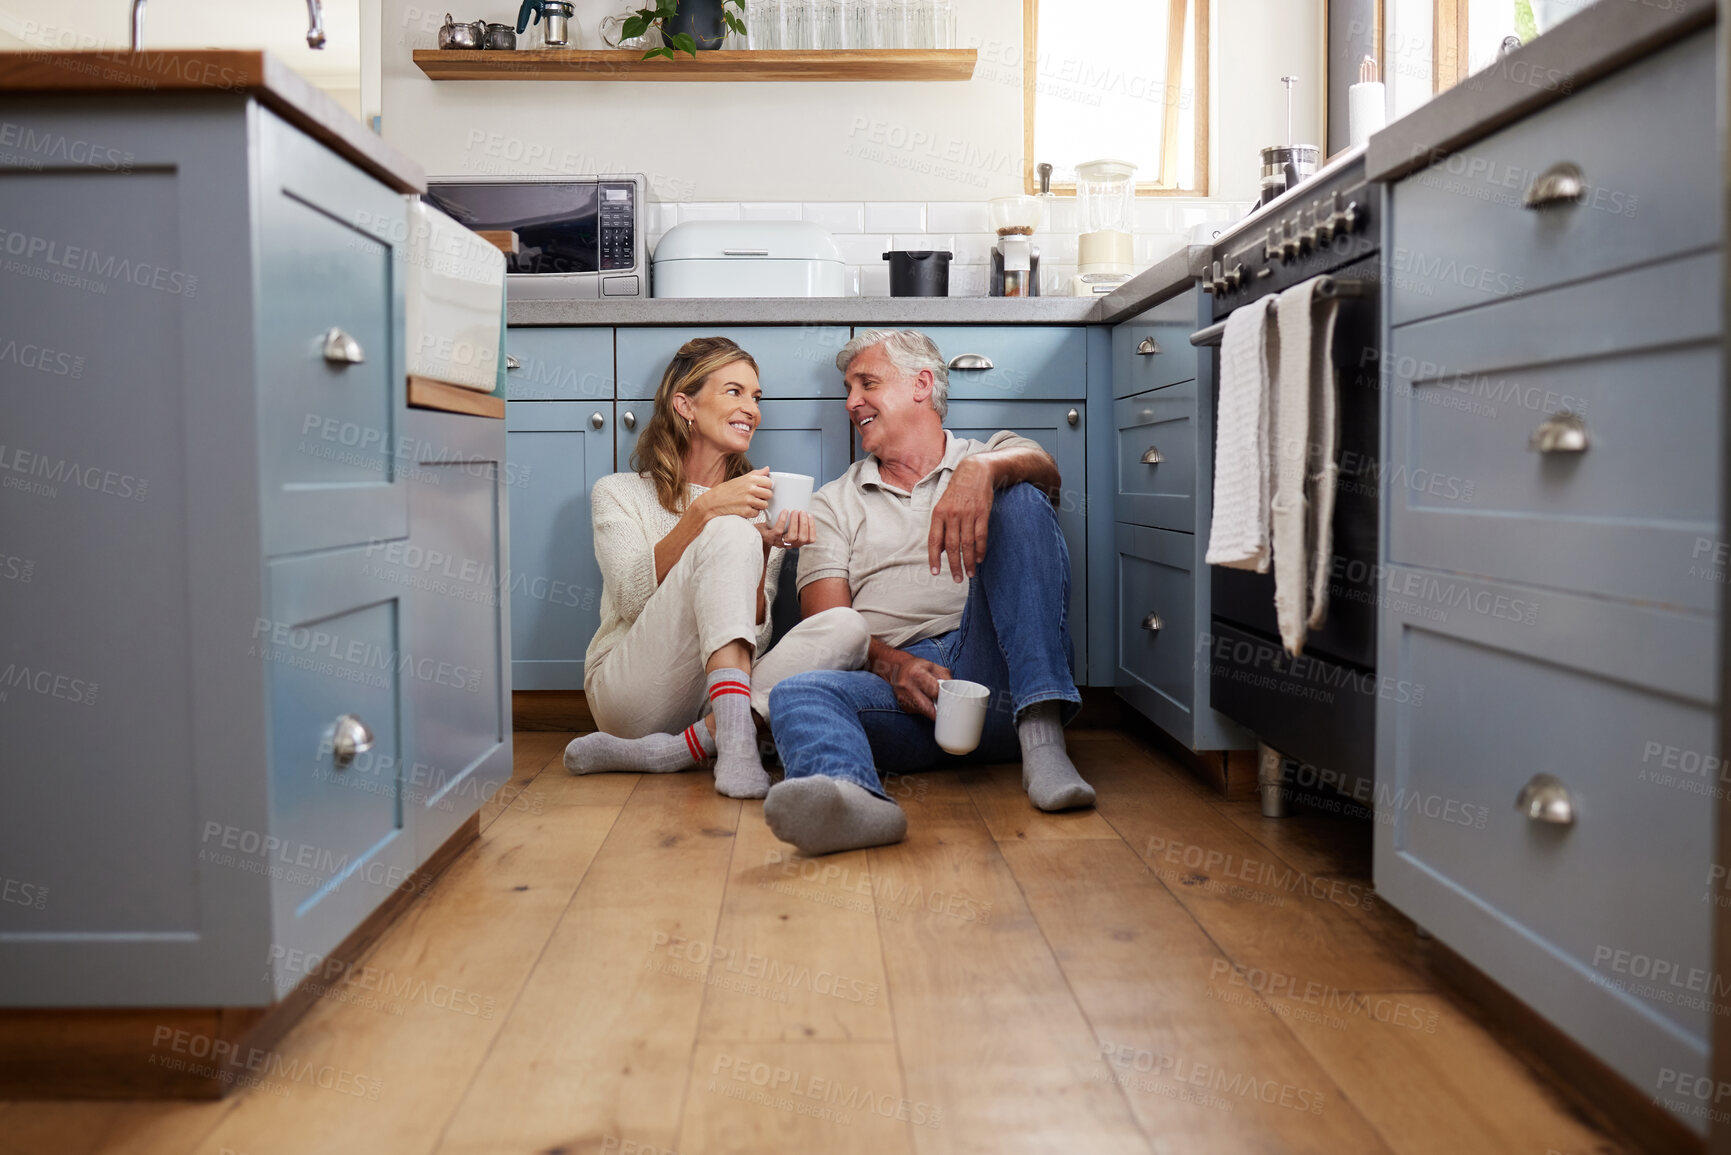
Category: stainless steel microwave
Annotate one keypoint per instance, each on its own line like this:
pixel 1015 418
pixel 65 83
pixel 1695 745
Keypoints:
pixel 577 237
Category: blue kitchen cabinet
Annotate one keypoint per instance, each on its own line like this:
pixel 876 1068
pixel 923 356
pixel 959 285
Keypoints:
pixel 1160 447
pixel 1059 427
pixel 455 565
pixel 1548 580
pixel 556 451
pixel 792 360
pixel 239 436
pixel 809 437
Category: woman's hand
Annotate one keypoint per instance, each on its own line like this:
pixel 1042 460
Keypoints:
pixel 791 530
pixel 746 496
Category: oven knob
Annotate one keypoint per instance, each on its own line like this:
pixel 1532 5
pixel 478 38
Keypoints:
pixel 1235 278
pixel 1270 248
pixel 1289 246
pixel 1352 218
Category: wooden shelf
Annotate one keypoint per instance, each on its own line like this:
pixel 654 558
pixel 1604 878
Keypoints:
pixel 622 64
pixel 426 393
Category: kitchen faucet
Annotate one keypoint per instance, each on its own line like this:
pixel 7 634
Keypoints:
pixel 315 25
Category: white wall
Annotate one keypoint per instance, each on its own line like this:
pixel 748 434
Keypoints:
pixel 820 141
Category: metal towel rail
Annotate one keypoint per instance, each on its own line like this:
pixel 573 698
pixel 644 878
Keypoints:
pixel 1327 287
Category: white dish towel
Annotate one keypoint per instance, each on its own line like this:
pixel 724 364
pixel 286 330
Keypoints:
pixel 1303 450
pixel 1239 534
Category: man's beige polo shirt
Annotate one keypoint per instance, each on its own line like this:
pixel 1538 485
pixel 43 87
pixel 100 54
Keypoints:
pixel 874 535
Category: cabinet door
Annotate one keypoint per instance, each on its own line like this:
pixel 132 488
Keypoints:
pixel 1156 458
pixel 1049 423
pixel 337 656
pixel 1017 362
pixel 1153 350
pixel 557 451
pixel 454 565
pixel 808 437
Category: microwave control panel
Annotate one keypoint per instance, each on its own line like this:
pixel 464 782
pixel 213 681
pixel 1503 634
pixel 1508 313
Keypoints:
pixel 616 209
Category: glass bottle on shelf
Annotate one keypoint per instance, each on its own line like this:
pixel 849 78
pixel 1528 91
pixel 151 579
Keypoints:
pixel 763 24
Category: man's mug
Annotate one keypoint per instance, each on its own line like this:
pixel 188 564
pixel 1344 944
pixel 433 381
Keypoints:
pixel 791 491
pixel 961 715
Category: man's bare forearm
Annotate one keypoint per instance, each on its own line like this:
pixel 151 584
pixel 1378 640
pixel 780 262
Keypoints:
pixel 1009 467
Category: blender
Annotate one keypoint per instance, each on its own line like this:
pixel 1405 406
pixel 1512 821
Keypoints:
pixel 1015 260
pixel 1105 207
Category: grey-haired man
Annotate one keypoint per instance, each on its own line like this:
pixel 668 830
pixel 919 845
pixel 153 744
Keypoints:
pixel 903 537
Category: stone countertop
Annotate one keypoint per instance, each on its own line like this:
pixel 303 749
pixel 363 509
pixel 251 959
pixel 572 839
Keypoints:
pixel 216 71
pixel 1576 52
pixel 1164 280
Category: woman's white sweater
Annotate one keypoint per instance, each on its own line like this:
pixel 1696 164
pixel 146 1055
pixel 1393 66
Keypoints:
pixel 629 522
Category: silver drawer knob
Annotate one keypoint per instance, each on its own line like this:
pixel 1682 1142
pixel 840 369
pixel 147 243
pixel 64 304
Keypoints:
pixel 1545 799
pixel 596 421
pixel 628 419
pixel 350 737
pixel 512 363
pixel 971 361
pixel 1561 432
pixel 1152 623
pixel 1152 456
pixel 342 349
pixel 1148 347
pixel 1560 184
pixel 1073 416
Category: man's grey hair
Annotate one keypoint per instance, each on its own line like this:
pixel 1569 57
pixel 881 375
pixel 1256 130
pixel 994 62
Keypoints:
pixel 909 351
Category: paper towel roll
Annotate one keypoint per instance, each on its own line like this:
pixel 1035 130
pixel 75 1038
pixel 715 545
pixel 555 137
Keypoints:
pixel 1366 111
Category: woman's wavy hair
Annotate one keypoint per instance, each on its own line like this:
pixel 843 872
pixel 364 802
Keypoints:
pixel 660 452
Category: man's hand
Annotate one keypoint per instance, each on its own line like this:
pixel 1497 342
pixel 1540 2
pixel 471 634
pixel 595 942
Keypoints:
pixel 960 520
pixel 914 680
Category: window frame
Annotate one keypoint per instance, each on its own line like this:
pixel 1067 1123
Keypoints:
pixel 1169 149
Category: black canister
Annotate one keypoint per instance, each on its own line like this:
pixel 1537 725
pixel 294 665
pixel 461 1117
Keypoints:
pixel 919 273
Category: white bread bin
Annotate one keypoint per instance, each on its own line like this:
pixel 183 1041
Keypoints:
pixel 453 301
pixel 748 259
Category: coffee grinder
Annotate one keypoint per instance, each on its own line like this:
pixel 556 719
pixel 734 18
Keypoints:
pixel 1015 260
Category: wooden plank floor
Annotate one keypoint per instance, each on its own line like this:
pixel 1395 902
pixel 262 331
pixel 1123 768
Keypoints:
pixel 635 964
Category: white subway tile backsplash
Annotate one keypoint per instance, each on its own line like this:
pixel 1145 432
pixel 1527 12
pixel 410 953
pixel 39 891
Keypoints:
pixel 863 248
pixel 957 217
pixel 850 281
pixel 895 216
pixel 1154 216
pixel 924 241
pixel 1060 215
pixel 1151 248
pixel 660 218
pixel 772 211
pixel 837 216
pixel 1057 248
pixel 967 280
pixel 708 211
pixel 973 249
pixel 874 281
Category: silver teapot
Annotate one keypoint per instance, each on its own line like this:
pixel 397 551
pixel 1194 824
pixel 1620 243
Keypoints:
pixel 454 35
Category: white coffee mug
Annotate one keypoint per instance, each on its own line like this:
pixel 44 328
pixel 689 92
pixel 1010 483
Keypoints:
pixel 790 491
pixel 961 715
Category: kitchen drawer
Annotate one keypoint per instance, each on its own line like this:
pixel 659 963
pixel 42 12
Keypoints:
pixel 1159 423
pixel 334 645
pixel 1157 624
pixel 792 360
pixel 1615 701
pixel 559 364
pixel 1627 518
pixel 1645 142
pixel 1028 362
pixel 328 426
pixel 1154 349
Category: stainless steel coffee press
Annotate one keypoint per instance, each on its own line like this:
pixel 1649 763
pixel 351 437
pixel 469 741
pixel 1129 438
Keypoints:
pixel 1288 165
pixel 556 31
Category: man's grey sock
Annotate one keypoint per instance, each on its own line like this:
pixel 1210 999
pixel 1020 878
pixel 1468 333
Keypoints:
pixel 651 754
pixel 739 770
pixel 821 815
pixel 1048 775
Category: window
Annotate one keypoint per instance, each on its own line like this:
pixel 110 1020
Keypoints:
pixel 1470 33
pixel 1125 79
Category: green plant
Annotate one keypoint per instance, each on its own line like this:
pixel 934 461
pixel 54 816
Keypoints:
pixel 1525 27
pixel 644 19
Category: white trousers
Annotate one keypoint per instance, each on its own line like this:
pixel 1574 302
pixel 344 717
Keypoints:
pixel 653 680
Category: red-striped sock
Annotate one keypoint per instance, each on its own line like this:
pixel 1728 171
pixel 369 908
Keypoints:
pixel 650 754
pixel 739 769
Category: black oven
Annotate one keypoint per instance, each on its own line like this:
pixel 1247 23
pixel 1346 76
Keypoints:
pixel 1318 709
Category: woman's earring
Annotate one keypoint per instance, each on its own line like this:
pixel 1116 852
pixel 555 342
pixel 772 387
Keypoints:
pixel 688 425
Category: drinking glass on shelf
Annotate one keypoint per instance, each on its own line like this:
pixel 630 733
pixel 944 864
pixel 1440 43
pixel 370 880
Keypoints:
pixel 763 24
pixel 796 24
pixel 888 22
pixel 917 24
pixel 826 24
pixel 943 24
pixel 858 30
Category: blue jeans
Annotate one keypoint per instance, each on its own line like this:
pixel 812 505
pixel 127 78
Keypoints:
pixel 1014 638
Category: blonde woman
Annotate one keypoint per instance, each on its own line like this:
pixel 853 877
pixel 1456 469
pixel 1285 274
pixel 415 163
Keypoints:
pixel 689 567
